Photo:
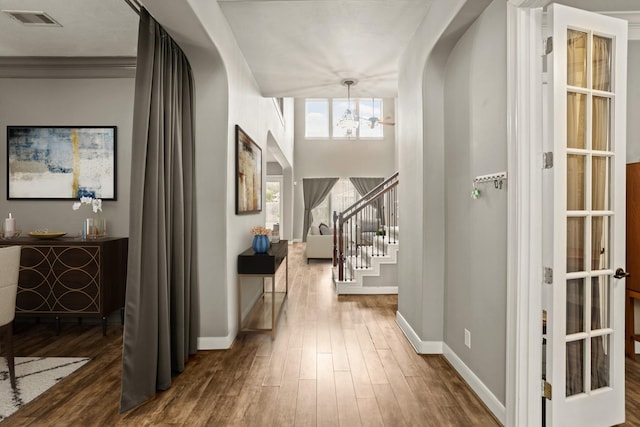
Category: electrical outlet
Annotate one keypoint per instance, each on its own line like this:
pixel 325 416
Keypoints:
pixel 467 338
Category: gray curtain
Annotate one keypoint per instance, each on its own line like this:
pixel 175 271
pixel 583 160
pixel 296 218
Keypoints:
pixel 314 191
pixel 363 186
pixel 161 317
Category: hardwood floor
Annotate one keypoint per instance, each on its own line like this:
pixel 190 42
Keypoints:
pixel 335 361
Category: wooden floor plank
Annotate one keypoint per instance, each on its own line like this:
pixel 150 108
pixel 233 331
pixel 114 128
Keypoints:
pixel 348 413
pixel 327 406
pixel 306 403
pixel 369 412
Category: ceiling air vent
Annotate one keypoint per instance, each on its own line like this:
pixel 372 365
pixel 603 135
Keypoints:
pixel 32 18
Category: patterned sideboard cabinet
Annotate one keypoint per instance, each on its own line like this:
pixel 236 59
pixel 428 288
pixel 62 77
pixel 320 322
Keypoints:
pixel 71 277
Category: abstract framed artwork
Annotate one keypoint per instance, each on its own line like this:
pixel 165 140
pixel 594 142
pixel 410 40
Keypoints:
pixel 248 174
pixel 61 162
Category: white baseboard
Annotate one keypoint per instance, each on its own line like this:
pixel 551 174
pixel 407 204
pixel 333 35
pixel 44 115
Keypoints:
pixel 215 343
pixel 421 347
pixel 348 289
pixel 483 392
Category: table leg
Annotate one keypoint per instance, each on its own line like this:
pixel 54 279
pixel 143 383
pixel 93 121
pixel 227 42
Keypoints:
pixel 273 307
pixel 239 304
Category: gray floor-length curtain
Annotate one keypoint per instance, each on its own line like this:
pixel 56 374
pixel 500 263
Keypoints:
pixel 363 186
pixel 314 192
pixel 161 316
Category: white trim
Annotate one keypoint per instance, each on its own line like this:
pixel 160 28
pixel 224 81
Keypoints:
pixel 524 305
pixel 33 67
pixel 215 343
pixel 343 288
pixel 476 384
pixel 637 347
pixel 421 347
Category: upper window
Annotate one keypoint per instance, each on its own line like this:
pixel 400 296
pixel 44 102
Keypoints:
pixel 316 118
pixel 318 111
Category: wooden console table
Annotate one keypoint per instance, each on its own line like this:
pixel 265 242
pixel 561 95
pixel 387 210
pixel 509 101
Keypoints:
pixel 71 277
pixel 270 305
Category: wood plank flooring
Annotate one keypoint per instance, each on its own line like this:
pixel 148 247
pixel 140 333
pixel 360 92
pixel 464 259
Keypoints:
pixel 335 361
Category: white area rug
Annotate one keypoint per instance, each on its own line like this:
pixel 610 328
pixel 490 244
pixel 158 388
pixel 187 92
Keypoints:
pixel 34 376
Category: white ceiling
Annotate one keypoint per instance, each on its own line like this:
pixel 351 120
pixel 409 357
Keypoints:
pixel 294 47
pixel 306 47
pixel 89 28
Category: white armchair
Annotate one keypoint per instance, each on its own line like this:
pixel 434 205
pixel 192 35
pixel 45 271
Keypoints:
pixel 10 267
pixel 319 245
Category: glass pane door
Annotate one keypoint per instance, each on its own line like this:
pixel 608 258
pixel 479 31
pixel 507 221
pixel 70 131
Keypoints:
pixel 586 321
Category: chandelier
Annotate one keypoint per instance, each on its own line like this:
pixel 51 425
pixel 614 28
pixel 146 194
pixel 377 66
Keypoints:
pixel 348 121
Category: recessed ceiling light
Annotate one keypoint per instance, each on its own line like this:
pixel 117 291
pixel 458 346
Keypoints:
pixel 32 18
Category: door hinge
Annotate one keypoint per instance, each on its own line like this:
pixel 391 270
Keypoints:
pixel 547 160
pixel 548 275
pixel 547 45
pixel 546 390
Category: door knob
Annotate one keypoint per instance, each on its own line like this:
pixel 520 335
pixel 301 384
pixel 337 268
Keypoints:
pixel 621 274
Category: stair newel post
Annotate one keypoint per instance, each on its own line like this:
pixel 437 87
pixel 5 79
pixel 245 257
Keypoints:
pixel 335 238
pixel 340 248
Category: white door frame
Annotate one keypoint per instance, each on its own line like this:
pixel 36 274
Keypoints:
pixel 524 242
pixel 524 264
pixel 279 179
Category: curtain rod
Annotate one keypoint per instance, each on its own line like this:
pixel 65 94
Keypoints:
pixel 134 5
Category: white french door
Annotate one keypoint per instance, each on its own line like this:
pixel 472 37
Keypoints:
pixel 584 218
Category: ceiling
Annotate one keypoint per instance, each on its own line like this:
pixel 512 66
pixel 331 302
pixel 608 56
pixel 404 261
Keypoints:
pixel 300 48
pixel 306 47
pixel 89 28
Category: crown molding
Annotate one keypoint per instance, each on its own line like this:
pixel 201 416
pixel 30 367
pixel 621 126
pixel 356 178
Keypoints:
pixel 67 67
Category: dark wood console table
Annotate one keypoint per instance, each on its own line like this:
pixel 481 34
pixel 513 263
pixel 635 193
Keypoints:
pixel 251 264
pixel 71 277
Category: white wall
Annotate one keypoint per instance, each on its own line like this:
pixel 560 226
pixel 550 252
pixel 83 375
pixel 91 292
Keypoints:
pixel 321 158
pixel 63 102
pixel 226 95
pixel 476 230
pixel 421 164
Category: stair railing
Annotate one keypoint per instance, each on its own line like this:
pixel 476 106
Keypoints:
pixel 364 229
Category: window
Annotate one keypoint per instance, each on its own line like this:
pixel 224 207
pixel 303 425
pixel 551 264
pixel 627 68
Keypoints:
pixel 342 195
pixel 273 202
pixel 370 108
pixel 318 112
pixel 316 118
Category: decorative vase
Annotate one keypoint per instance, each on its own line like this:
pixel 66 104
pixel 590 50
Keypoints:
pixel 94 228
pixel 260 244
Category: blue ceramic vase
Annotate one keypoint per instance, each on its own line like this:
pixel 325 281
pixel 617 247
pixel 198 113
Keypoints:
pixel 260 244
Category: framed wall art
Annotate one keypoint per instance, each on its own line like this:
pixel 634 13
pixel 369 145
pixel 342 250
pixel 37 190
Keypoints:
pixel 248 174
pixel 61 162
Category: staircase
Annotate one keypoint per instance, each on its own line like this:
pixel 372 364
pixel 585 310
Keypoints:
pixel 365 243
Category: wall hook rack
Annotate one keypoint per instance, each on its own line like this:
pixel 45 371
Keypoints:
pixel 497 179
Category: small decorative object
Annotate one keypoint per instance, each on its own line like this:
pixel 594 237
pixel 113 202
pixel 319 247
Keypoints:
pixel 275 233
pixel 260 239
pixel 9 226
pixel 46 234
pixel 92 228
